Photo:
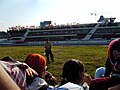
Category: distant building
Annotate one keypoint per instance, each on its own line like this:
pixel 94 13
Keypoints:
pixel 45 23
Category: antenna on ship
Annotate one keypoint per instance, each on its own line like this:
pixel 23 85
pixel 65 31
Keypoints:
pixel 95 14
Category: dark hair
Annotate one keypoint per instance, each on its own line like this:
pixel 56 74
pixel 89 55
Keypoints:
pixel 8 58
pixel 108 67
pixel 72 71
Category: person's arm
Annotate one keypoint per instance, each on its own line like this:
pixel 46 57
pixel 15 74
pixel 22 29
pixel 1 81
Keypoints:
pixel 50 79
pixel 87 78
pixel 29 71
pixel 45 45
pixel 117 87
pixel 108 68
pixel 6 82
pixel 51 44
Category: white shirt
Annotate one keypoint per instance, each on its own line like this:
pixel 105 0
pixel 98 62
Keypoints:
pixel 36 84
pixel 70 86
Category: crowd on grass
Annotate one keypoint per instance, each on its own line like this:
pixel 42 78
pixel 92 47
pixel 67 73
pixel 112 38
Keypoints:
pixel 33 75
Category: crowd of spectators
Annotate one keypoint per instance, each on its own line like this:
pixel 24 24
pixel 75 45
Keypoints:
pixel 73 77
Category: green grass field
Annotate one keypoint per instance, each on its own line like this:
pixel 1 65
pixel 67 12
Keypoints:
pixel 92 56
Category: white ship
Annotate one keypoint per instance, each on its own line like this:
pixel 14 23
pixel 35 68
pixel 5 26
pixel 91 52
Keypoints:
pixel 100 33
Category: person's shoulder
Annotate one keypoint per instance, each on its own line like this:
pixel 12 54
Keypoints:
pixel 37 83
pixel 100 80
pixel 39 80
pixel 49 42
pixel 70 86
pixel 117 87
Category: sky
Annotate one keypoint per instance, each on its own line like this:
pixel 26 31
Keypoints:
pixel 32 12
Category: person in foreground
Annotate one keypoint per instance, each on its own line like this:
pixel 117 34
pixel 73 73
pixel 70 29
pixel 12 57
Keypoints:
pixel 6 82
pixel 100 72
pixel 73 76
pixel 117 87
pixel 112 66
pixel 17 71
pixel 38 63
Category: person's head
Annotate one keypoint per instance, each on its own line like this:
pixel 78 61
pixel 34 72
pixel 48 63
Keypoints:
pixel 100 72
pixel 73 71
pixel 8 58
pixel 37 62
pixel 114 54
pixel 47 39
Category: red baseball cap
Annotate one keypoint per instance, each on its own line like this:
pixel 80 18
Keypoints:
pixel 114 54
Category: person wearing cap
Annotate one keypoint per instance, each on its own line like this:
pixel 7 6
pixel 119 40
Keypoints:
pixel 100 72
pixel 38 63
pixel 48 51
pixel 112 68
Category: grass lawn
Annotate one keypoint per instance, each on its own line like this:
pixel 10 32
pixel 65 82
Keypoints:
pixel 92 56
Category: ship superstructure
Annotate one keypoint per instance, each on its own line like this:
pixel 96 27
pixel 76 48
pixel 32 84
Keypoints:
pixel 98 33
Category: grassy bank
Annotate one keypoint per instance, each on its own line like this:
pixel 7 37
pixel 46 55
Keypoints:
pixel 91 56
